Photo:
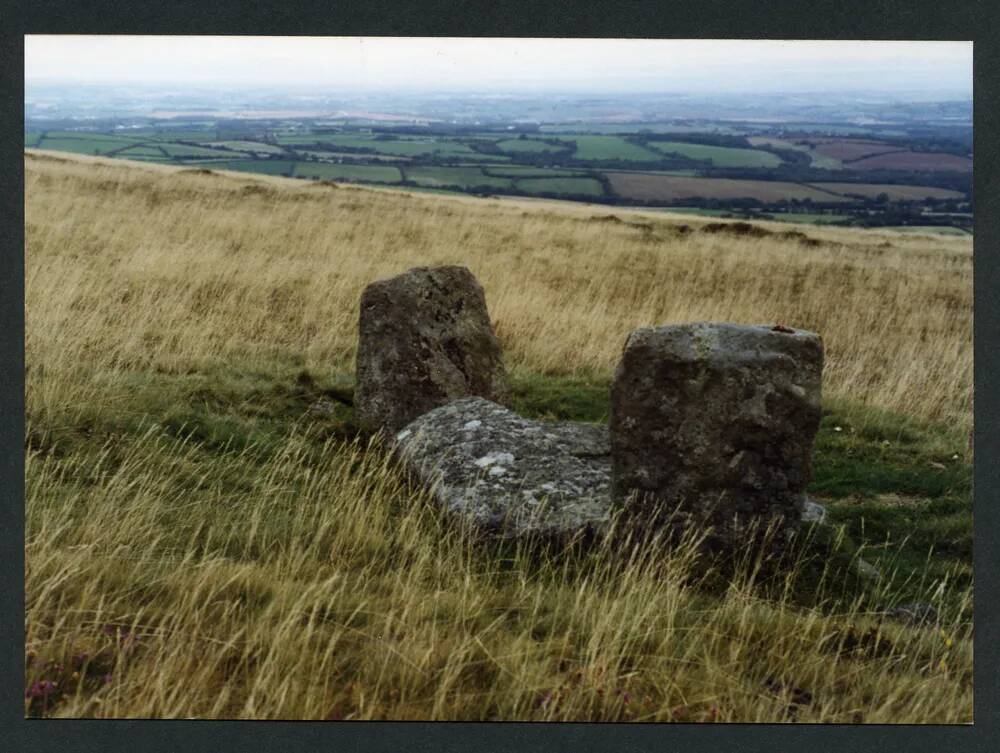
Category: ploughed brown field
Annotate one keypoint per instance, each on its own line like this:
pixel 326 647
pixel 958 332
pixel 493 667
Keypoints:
pixel 846 150
pixel 913 161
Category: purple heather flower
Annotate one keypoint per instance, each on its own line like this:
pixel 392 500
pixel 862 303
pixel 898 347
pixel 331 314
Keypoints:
pixel 40 689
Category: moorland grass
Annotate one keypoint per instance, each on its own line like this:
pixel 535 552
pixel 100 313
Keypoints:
pixel 208 536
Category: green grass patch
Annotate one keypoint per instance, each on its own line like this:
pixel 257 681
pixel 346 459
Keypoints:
pixel 719 155
pixel 176 134
pixel 184 150
pixel 529 171
pixel 806 217
pixel 926 229
pixel 140 152
pixel 262 166
pixel 531 146
pixel 464 177
pixel 610 147
pixel 893 486
pixel 81 145
pixel 571 186
pixel 121 139
pixel 327 171
pixel 400 147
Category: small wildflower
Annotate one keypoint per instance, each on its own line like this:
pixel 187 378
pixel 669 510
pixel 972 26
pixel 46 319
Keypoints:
pixel 942 666
pixel 837 428
pixel 41 689
pixel 955 456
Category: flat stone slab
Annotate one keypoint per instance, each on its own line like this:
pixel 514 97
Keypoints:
pixel 510 476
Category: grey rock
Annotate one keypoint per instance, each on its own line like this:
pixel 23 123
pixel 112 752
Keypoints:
pixel 813 512
pixel 866 569
pixel 915 613
pixel 509 476
pixel 424 339
pixel 716 421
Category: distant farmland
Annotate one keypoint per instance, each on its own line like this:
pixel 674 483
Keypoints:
pixel 852 149
pixel 914 161
pixel 610 147
pixel 895 193
pixel 570 186
pixel 674 188
pixel 528 145
pixel 720 156
pixel 366 173
pixel 466 177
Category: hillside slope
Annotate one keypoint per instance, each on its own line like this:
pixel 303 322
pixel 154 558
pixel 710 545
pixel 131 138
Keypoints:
pixel 206 531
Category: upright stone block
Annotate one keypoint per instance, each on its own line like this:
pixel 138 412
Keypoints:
pixel 425 339
pixel 716 420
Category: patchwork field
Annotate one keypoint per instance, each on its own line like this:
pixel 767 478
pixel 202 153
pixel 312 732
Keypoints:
pixel 914 161
pixel 468 177
pixel 527 145
pixel 572 186
pixel 846 150
pixel 894 192
pixel 719 156
pixel 677 188
pixel 609 147
pixel 368 173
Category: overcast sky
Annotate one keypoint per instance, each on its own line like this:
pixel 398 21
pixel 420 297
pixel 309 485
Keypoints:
pixel 503 64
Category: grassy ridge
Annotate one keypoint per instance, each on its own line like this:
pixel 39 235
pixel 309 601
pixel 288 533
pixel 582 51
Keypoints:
pixel 206 536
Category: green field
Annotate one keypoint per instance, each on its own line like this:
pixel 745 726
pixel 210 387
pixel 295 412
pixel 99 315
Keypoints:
pixel 327 171
pixel 527 145
pixel 405 148
pixel 107 137
pixel 613 128
pixel 813 218
pixel 81 145
pixel 720 156
pixel 138 152
pixel 610 147
pixel 926 229
pixel 175 135
pixel 247 146
pixel 466 177
pixel 266 167
pixel 530 171
pixel 183 150
pixel 585 186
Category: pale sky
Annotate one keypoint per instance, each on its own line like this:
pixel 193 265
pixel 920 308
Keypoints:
pixel 373 63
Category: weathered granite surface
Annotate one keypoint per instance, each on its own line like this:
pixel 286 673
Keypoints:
pixel 425 338
pixel 510 476
pixel 716 421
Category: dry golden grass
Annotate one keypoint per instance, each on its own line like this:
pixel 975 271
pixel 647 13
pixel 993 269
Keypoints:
pixel 311 582
pixel 142 267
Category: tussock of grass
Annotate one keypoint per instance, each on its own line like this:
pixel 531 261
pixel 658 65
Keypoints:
pixel 207 536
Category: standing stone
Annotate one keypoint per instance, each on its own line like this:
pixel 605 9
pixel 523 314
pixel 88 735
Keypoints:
pixel 716 421
pixel 425 339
